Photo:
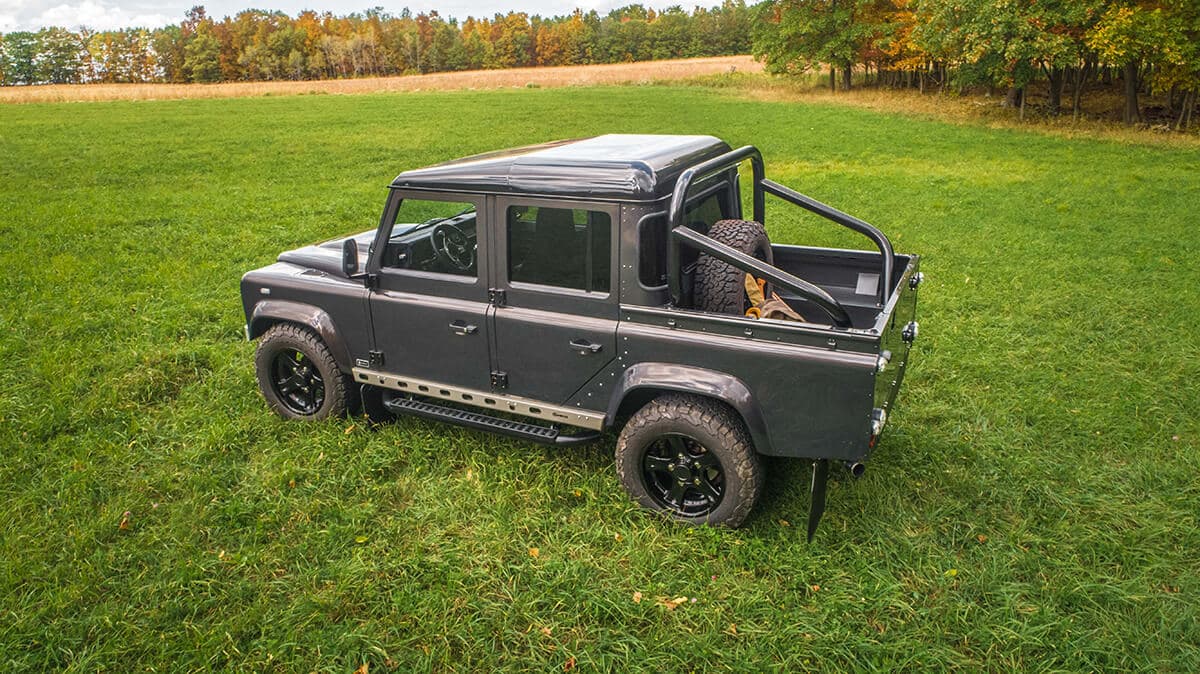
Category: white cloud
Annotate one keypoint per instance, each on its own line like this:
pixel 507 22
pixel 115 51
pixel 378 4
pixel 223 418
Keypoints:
pixel 111 14
pixel 96 14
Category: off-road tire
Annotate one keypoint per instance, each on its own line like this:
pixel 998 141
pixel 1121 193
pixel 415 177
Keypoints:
pixel 287 336
pixel 719 286
pixel 712 424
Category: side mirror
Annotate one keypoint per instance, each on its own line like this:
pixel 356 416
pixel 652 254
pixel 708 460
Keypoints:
pixel 350 257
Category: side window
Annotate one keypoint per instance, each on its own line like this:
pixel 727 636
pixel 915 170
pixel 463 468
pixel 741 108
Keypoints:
pixel 652 251
pixel 652 236
pixel 700 215
pixel 434 236
pixel 561 247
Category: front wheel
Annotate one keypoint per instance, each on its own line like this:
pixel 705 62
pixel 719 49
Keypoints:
pixel 691 459
pixel 298 375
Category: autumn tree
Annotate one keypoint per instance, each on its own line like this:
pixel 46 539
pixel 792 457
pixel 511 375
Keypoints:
pixel 202 56
pixel 18 59
pixel 799 35
pixel 1128 35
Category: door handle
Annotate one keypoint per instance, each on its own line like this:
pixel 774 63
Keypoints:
pixel 584 347
pixel 463 328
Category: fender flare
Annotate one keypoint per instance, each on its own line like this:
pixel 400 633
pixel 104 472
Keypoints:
pixel 698 381
pixel 269 312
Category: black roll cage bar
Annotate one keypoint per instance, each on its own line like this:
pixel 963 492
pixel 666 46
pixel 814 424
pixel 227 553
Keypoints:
pixel 682 235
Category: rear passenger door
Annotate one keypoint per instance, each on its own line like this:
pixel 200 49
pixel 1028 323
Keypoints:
pixel 556 264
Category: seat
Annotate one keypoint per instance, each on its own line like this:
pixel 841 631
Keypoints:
pixel 560 251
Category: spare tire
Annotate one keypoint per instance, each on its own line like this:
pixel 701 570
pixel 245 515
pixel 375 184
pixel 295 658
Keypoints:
pixel 719 287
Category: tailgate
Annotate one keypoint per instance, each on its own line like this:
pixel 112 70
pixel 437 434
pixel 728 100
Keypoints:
pixel 895 342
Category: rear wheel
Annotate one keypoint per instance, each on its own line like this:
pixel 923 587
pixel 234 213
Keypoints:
pixel 690 458
pixel 298 375
pixel 719 286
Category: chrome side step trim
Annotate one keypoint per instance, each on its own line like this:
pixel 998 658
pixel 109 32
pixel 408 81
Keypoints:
pixel 483 399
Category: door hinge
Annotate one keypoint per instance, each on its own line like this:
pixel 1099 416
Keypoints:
pixel 497 297
pixel 499 380
pixel 376 359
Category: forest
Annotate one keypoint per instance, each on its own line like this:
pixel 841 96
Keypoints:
pixel 1147 46
pixel 260 45
pixel 1123 50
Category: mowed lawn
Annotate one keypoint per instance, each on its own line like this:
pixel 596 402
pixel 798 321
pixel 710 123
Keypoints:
pixel 1034 503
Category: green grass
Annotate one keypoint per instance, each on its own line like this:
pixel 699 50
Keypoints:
pixel 1034 504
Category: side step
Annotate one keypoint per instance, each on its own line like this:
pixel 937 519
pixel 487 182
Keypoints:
pixel 546 435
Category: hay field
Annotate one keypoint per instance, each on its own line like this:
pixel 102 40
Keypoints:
pixel 563 76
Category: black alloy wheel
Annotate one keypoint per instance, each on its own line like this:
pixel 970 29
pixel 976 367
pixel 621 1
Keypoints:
pixel 297 382
pixel 298 375
pixel 689 458
pixel 682 476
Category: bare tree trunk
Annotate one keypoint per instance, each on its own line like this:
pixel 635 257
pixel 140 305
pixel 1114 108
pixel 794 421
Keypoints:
pixel 1014 98
pixel 1081 77
pixel 832 78
pixel 1132 112
pixel 1185 111
pixel 847 71
pixel 1055 77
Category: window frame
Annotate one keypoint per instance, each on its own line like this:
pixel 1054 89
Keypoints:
pixel 431 282
pixel 699 197
pixel 501 252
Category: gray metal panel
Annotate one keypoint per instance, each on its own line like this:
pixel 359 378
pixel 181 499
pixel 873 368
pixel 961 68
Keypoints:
pixel 536 326
pixel 428 325
pixel 815 402
pixel 902 309
pixel 332 306
pixel 487 400
pixel 635 167
pixel 423 335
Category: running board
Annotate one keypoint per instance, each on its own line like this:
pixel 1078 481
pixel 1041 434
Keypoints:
pixel 546 435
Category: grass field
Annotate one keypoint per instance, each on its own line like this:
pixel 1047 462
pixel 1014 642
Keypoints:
pixel 1034 504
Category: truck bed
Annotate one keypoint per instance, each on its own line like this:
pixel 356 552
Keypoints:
pixel 851 276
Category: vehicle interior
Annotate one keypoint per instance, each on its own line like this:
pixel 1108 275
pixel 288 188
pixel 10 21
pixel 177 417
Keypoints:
pixel 560 247
pixel 442 244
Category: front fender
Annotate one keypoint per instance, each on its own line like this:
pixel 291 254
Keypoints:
pixel 698 381
pixel 269 312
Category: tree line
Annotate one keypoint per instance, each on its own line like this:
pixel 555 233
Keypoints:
pixel 262 45
pixel 1062 45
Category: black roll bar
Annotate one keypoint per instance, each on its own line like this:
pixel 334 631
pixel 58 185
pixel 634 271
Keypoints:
pixel 679 197
pixel 844 219
pixel 762 186
pixel 737 258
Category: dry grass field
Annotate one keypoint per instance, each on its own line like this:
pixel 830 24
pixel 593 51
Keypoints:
pixel 564 76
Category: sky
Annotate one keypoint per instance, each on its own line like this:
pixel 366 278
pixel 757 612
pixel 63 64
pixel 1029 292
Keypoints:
pixel 110 14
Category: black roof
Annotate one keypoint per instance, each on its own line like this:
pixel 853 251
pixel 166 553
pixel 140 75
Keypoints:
pixel 616 166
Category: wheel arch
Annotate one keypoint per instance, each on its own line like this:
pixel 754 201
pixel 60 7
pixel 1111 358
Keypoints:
pixel 272 312
pixel 644 382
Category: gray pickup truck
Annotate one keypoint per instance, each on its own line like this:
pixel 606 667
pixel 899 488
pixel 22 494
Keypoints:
pixel 557 291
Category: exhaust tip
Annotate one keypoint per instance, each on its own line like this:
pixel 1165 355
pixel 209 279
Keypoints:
pixel 856 468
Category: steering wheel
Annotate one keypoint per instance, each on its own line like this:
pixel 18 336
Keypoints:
pixel 453 247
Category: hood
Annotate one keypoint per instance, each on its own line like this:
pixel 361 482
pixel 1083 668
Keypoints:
pixel 327 255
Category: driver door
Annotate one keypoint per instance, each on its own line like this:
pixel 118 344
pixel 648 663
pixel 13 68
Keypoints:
pixel 429 306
